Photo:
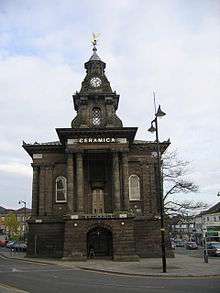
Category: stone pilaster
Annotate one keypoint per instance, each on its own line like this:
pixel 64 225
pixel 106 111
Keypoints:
pixel 147 194
pixel 49 189
pixel 35 191
pixel 80 182
pixel 70 185
pixel 116 182
pixel 125 180
pixel 42 191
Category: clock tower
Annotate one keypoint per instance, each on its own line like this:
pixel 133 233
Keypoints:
pixel 96 103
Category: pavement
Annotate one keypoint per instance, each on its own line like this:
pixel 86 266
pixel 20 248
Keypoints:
pixel 180 266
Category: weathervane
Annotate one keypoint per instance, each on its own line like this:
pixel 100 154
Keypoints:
pixel 95 38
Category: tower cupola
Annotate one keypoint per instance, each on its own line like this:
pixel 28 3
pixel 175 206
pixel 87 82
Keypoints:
pixel 95 80
pixel 96 103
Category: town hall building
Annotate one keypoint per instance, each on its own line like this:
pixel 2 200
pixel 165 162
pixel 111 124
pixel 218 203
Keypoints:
pixel 94 190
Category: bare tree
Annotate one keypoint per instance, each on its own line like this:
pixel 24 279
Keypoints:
pixel 176 181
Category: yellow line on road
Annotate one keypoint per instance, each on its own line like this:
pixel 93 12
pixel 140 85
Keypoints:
pixel 24 260
pixel 7 286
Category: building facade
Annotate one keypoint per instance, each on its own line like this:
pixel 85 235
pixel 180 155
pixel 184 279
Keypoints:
pixel 207 223
pixel 22 215
pixel 182 228
pixel 94 191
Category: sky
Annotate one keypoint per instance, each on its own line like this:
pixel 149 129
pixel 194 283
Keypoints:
pixel 171 47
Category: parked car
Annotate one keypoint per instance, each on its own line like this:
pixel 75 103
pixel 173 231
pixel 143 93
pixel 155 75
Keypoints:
pixel 8 245
pixel 191 245
pixel 3 242
pixel 180 243
pixel 213 248
pixel 19 246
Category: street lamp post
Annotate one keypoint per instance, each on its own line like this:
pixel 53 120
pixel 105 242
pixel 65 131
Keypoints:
pixel 205 254
pixel 25 215
pixel 154 128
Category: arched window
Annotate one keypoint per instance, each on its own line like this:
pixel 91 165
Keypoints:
pixel 96 116
pixel 61 189
pixel 134 188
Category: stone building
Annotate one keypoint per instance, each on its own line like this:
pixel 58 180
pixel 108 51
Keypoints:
pixel 22 215
pixel 94 190
pixel 208 223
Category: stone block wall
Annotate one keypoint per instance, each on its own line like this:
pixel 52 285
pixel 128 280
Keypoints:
pixel 75 246
pixel 148 239
pixel 45 240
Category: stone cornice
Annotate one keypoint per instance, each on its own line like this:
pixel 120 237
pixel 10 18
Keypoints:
pixel 42 148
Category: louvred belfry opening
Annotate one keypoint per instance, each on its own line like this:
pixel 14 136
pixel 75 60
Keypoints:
pixel 96 116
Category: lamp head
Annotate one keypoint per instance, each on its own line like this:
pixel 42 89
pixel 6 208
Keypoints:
pixel 152 128
pixel 160 113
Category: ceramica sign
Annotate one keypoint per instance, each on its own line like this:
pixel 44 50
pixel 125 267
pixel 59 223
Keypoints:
pixel 96 140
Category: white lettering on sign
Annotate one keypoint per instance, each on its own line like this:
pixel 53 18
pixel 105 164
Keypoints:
pixel 97 140
pixel 123 215
pixel 71 141
pixel 122 140
pixel 37 156
pixel 74 217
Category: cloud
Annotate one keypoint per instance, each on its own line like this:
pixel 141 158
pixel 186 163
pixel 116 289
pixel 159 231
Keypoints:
pixel 16 168
pixel 171 47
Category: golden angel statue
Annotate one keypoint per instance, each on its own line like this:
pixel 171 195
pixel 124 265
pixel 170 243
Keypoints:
pixel 95 38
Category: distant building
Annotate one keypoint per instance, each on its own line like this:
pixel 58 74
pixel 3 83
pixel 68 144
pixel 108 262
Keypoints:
pixel 95 190
pixel 208 222
pixel 182 227
pixel 22 216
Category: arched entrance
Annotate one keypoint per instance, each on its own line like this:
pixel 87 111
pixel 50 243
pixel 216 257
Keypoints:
pixel 99 242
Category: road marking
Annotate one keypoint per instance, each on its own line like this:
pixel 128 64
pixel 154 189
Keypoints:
pixel 9 287
pixel 14 270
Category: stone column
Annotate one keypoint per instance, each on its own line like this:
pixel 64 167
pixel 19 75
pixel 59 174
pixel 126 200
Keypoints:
pixel 70 186
pixel 147 190
pixel 49 189
pixel 80 182
pixel 35 191
pixel 125 180
pixel 42 191
pixel 116 182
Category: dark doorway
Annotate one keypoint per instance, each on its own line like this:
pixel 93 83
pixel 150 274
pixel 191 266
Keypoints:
pixel 99 243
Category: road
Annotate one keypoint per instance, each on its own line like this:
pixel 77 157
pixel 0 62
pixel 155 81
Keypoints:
pixel 195 253
pixel 33 277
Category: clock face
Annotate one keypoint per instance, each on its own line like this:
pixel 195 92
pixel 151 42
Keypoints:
pixel 95 82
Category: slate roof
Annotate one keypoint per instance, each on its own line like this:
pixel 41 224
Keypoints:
pixel 95 57
pixel 214 209
pixel 147 141
pixel 2 210
pixel 44 143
